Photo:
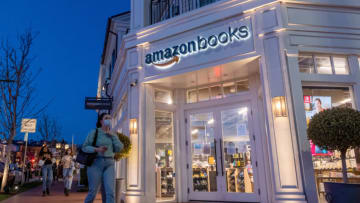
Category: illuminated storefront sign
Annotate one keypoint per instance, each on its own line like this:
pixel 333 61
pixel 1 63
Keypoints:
pixel 165 58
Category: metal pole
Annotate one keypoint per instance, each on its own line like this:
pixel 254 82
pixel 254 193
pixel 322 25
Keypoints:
pixel 23 167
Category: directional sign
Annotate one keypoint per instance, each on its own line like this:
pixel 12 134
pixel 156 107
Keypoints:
pixel 28 125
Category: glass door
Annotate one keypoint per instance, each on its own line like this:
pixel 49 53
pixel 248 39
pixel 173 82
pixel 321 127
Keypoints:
pixel 221 155
pixel 203 182
pixel 238 147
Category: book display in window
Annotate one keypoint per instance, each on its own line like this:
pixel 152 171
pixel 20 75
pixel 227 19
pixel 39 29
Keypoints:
pixel 165 182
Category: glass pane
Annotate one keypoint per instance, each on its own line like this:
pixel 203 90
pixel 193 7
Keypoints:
pixel 323 64
pixel 341 65
pixel 203 152
pixel 216 92
pixel 204 94
pixel 163 96
pixel 164 156
pixel 191 96
pixel 229 88
pixel 306 64
pixel 237 150
pixel 242 86
pixel 327 164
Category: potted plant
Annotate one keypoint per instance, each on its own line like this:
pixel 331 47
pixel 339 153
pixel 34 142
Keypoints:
pixel 337 129
pixel 125 152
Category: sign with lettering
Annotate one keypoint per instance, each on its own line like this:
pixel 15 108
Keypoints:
pixel 28 125
pixel 199 46
pixel 167 57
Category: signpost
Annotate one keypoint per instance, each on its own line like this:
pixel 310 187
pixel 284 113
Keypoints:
pixel 27 126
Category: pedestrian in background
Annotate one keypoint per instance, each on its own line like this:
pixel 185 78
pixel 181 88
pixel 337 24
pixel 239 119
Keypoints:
pixel 27 171
pixel 46 169
pixel 55 168
pixel 102 171
pixel 68 170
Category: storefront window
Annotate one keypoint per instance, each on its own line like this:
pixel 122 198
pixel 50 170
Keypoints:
pixel 341 66
pixel 229 88
pixel 242 86
pixel 204 94
pixel 327 164
pixel 306 64
pixel 164 156
pixel 323 64
pixel 191 96
pixel 163 96
pixel 217 91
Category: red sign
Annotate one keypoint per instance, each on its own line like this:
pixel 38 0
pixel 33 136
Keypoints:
pixel 307 99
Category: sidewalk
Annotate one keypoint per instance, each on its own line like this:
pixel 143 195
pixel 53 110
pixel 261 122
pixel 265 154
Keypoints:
pixel 56 195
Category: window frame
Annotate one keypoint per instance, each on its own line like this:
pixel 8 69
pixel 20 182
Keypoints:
pixel 331 56
pixel 210 85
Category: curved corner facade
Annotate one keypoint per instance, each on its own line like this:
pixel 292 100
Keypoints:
pixel 216 100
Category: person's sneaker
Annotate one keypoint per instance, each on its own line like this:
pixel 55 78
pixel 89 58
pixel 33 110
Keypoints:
pixel 67 192
pixel 47 191
pixel 43 194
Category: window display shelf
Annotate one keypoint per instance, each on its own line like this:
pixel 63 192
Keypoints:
pixel 165 182
pixel 204 180
pixel 239 180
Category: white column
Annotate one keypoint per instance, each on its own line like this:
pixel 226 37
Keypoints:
pixel 284 154
pixel 149 143
pixel 355 71
pixel 138 14
pixel 135 162
pixel 299 115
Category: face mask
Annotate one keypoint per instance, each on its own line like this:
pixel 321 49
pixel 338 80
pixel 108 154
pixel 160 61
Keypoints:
pixel 107 123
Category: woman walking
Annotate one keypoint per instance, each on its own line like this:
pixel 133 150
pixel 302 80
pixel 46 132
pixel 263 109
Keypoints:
pixel 46 169
pixel 102 170
pixel 67 165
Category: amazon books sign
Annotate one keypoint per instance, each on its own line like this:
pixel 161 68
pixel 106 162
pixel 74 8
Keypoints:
pixel 231 34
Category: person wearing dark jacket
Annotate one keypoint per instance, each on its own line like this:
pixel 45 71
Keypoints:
pixel 46 169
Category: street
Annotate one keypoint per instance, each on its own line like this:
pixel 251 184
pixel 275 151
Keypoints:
pixel 56 195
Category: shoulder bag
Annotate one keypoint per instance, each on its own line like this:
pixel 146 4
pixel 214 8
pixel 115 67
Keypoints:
pixel 87 158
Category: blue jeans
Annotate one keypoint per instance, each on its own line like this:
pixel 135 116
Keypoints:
pixel 68 177
pixel 47 176
pixel 102 171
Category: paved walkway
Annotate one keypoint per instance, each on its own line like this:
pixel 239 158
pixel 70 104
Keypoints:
pixel 56 195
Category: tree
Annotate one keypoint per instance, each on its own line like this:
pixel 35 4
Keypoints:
pixel 336 129
pixel 48 128
pixel 17 94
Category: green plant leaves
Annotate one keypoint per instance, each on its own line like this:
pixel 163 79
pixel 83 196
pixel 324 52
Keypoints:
pixel 335 129
pixel 125 152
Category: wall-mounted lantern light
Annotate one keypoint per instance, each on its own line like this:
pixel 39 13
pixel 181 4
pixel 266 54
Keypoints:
pixel 58 145
pixel 279 106
pixel 133 126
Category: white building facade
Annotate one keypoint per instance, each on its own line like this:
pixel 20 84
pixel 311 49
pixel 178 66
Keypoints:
pixel 216 96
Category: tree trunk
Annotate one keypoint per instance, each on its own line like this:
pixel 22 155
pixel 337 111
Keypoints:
pixel 344 168
pixel 6 169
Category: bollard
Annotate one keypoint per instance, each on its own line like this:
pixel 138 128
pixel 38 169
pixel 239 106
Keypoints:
pixel 118 189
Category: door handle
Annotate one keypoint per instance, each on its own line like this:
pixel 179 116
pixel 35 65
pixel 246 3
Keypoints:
pixel 221 157
pixel 215 158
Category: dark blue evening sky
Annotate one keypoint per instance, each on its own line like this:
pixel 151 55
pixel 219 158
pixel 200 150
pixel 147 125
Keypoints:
pixel 68 49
